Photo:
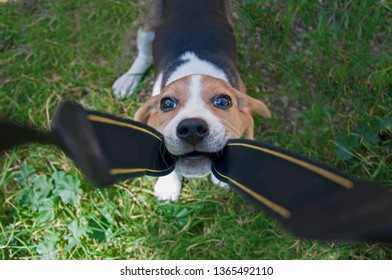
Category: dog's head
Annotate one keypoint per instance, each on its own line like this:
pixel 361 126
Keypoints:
pixel 197 115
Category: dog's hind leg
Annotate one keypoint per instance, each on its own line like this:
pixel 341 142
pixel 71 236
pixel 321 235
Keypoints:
pixel 126 84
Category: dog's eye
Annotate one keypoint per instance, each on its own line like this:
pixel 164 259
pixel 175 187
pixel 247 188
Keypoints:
pixel 222 101
pixel 168 104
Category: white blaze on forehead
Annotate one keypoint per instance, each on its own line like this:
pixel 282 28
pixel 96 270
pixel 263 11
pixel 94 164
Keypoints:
pixel 195 106
pixel 195 102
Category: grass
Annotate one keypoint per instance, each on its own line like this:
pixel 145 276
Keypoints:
pixel 324 68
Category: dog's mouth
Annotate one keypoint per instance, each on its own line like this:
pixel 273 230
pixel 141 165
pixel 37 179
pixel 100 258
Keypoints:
pixel 195 155
pixel 194 164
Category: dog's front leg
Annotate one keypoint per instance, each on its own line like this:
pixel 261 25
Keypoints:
pixel 219 183
pixel 167 188
pixel 125 85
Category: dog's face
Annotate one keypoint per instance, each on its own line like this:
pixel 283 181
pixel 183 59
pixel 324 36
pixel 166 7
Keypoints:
pixel 197 115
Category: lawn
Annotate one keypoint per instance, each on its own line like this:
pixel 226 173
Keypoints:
pixel 323 67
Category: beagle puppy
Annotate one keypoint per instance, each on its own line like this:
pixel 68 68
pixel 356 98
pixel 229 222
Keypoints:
pixel 199 100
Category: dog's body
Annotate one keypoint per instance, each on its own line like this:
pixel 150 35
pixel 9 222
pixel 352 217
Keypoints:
pixel 199 100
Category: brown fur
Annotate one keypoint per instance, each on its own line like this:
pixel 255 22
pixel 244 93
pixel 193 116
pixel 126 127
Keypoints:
pixel 237 119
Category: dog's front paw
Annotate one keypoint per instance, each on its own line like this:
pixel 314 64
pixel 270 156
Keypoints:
pixel 126 85
pixel 219 183
pixel 168 188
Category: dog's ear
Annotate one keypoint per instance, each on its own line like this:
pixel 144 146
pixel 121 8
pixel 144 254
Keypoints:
pixel 249 106
pixel 252 105
pixel 257 107
pixel 144 113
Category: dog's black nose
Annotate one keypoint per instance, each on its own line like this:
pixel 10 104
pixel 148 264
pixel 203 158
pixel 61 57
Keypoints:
pixel 193 131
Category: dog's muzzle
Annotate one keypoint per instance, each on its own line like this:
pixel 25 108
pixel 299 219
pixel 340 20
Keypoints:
pixel 193 164
pixel 192 131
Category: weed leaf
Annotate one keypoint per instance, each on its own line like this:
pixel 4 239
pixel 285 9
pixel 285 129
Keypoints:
pixel 367 133
pixel 383 125
pixel 24 196
pixel 42 187
pixel 46 210
pixel 343 153
pixel 107 215
pixel 76 231
pixel 345 145
pixel 25 175
pixel 67 188
pixel 51 236
pixel 47 250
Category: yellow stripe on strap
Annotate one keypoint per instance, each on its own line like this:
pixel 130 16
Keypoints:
pixel 119 171
pixel 272 205
pixel 96 118
pixel 321 171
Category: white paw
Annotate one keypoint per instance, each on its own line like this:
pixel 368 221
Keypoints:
pixel 168 187
pixel 219 183
pixel 126 85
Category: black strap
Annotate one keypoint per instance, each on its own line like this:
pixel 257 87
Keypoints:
pixel 14 134
pixel 310 199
